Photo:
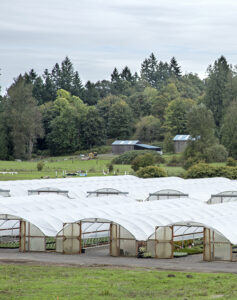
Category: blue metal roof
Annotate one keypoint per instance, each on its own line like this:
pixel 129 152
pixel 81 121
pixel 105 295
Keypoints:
pixel 147 146
pixel 125 142
pixel 180 137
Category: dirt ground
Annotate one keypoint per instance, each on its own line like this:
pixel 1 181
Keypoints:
pixel 99 256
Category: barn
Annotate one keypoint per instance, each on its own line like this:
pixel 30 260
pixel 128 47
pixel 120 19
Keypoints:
pixel 119 147
pixel 180 142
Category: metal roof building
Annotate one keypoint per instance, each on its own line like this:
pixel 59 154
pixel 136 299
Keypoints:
pixel 119 147
pixel 180 142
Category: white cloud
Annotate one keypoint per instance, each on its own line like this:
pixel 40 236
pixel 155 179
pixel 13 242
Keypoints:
pixel 100 34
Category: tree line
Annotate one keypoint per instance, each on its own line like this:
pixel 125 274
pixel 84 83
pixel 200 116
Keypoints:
pixel 55 113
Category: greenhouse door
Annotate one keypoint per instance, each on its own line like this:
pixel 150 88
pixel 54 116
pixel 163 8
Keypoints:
pixel 114 240
pixel 216 246
pixel 31 238
pixel 72 238
pixel 164 242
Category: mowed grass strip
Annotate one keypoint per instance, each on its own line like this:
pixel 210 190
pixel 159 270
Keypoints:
pixel 50 282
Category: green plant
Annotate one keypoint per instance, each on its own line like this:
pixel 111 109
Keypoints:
pixel 142 161
pixel 151 172
pixel 111 168
pixel 215 153
pixel 192 161
pixel 174 161
pixel 230 162
pixel 40 165
pixel 127 157
pixel 202 170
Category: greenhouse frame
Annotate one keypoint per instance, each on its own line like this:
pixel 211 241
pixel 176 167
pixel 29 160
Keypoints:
pixel 148 213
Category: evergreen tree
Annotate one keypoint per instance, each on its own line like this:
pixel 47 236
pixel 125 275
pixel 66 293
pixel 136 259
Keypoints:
pixel 218 92
pixel 91 94
pixel 77 88
pixel 116 83
pixel 175 68
pixel 149 70
pixel 126 74
pixel 6 149
pixel 50 88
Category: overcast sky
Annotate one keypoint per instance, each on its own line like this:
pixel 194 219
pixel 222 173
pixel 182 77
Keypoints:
pixel 98 35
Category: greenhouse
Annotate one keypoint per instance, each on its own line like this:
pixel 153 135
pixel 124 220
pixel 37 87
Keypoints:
pixel 126 212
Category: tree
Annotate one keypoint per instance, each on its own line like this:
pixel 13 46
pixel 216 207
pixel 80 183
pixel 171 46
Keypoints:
pixel 149 70
pixel 104 106
pixel 148 129
pixel 24 118
pixel 190 86
pixel 64 135
pixel 161 101
pixel 140 105
pixel 50 88
pixel 120 120
pixel 92 129
pixel 65 128
pixel 175 69
pixel 126 74
pixel 201 127
pixel 116 83
pixel 91 94
pixel 218 92
pixel 229 130
pixel 5 137
pixel 176 116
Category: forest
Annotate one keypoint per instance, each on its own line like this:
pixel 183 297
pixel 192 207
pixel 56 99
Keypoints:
pixel 55 114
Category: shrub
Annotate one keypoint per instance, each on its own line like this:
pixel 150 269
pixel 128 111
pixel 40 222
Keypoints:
pixel 200 170
pixel 127 157
pixel 142 161
pixel 215 153
pixel 40 165
pixel 231 162
pixel 151 172
pixel 203 170
pixel 174 161
pixel 191 161
pixel 111 168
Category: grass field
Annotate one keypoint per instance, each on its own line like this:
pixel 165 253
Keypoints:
pixel 28 169
pixel 50 282
pixel 55 166
pixel 70 164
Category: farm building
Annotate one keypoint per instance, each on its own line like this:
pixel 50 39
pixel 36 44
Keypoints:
pixel 180 142
pixel 119 147
pixel 130 212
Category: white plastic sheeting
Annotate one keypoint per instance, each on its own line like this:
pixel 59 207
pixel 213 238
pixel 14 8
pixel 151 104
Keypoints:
pixel 50 212
pixel 138 188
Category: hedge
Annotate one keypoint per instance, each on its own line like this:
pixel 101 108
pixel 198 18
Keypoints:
pixel 127 157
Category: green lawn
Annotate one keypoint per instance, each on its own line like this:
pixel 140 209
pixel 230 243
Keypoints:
pixel 50 282
pixel 28 169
